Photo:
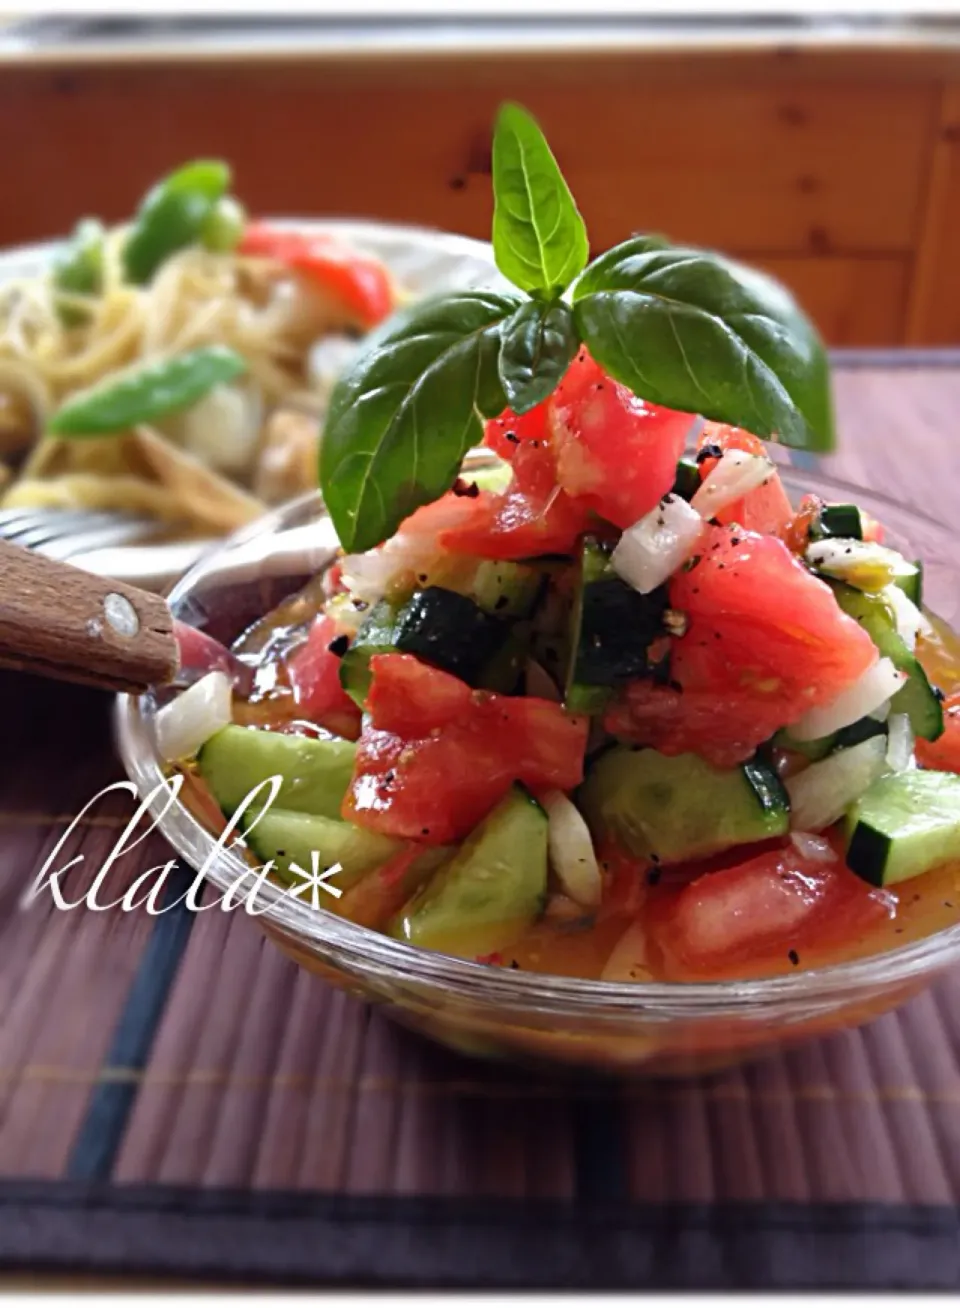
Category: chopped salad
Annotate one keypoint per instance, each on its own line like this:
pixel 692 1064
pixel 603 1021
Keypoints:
pixel 605 703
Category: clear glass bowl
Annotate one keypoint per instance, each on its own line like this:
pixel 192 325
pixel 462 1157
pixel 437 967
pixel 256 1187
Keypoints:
pixel 648 1029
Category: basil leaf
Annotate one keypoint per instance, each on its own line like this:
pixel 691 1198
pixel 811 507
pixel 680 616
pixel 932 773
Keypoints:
pixel 402 419
pixel 695 331
pixel 539 239
pixel 536 347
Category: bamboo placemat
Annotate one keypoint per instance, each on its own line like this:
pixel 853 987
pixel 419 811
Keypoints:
pixel 177 1099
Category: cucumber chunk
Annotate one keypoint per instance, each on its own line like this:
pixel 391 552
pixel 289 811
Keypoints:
pixel 904 825
pixel 491 890
pixel 315 772
pixel 912 583
pixel 917 698
pixel 612 628
pixel 679 808
pixel 687 481
pixel 506 589
pixel 837 520
pixel 378 635
pixel 815 750
pixel 288 837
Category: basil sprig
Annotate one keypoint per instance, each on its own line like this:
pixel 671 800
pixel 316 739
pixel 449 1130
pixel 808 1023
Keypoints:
pixel 402 419
pixel 695 331
pixel 681 327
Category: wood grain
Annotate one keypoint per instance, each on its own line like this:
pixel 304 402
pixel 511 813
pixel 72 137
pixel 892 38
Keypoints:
pixel 933 315
pixel 54 622
pixel 850 299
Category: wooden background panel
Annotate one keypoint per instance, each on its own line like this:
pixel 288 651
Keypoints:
pixel 842 176
pixel 934 311
pixel 852 300
pixel 761 168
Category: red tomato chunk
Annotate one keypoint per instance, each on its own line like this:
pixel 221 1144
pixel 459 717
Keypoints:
pixel 436 756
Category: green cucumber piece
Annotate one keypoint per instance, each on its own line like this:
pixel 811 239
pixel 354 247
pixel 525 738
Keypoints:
pixel 837 520
pixel 492 889
pixel 451 632
pixel 315 772
pixel 506 589
pixel 906 824
pixel 674 809
pixel 916 698
pixel 612 628
pixel 377 635
pixel 687 481
pixel 288 837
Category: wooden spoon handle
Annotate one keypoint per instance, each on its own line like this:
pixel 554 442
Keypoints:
pixel 59 621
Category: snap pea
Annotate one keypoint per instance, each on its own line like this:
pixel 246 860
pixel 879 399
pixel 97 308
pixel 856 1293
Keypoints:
pixel 172 216
pixel 223 225
pixel 78 268
pixel 147 392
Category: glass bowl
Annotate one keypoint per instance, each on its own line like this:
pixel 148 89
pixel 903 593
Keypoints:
pixel 646 1029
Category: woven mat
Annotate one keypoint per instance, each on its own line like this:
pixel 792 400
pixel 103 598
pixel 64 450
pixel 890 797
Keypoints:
pixel 178 1099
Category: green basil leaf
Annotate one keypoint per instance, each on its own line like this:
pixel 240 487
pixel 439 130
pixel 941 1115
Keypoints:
pixel 536 347
pixel 411 406
pixel 539 238
pixel 695 331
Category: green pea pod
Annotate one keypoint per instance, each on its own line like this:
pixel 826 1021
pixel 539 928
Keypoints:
pixel 223 226
pixel 172 216
pixel 145 393
pixel 78 268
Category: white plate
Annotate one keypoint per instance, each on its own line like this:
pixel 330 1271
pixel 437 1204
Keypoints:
pixel 423 262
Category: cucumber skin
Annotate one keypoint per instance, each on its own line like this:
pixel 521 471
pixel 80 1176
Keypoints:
pixel 917 698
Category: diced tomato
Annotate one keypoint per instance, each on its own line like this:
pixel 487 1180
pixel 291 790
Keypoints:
pixel 524 434
pixel 435 756
pixel 943 753
pixel 314 673
pixel 725 729
pixel 872 529
pixel 752 915
pixel 764 509
pixel 360 283
pixel 765 641
pixel 519 524
pixel 615 452
pixel 760 622
pixel 795 533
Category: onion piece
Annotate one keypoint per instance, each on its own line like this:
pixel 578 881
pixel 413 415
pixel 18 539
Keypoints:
pixel 736 474
pixel 910 621
pixel 900 743
pixel 628 961
pixel 654 548
pixel 861 563
pixel 821 793
pixel 880 681
pixel 815 848
pixel 571 850
pixel 189 721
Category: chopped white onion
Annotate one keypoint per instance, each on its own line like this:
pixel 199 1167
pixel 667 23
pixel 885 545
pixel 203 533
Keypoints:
pixel 910 621
pixel 539 682
pixel 193 717
pixel 880 681
pixel 815 848
pixel 628 961
pixel 654 548
pixel 900 743
pixel 367 576
pixel 822 793
pixel 861 563
pixel 328 359
pixel 571 850
pixel 736 474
